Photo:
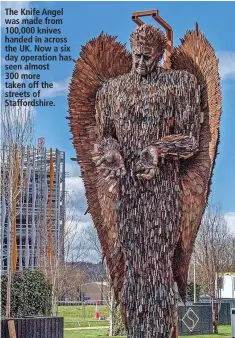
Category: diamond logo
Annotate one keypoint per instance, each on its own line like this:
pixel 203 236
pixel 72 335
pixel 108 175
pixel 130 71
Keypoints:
pixel 190 319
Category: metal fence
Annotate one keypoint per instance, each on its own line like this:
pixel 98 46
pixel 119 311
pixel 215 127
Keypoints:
pixel 81 316
pixel 195 319
pixel 225 309
pixel 83 313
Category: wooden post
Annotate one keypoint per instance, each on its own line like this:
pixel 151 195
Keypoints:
pixel 11 328
pixel 175 332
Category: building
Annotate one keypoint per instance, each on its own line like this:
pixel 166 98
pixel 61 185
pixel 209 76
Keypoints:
pixel 227 285
pixel 224 287
pixel 94 291
pixel 34 231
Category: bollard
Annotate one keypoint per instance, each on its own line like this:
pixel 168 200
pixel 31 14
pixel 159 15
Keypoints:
pixel 233 322
pixel 97 312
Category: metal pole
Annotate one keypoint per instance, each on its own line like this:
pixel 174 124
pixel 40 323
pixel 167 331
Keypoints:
pixel 83 311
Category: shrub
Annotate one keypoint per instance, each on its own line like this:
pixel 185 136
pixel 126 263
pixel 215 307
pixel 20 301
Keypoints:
pixel 30 294
pixel 190 292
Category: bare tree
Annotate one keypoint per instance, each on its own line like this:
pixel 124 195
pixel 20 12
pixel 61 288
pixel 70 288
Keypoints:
pixel 64 276
pixel 92 241
pixel 75 248
pixel 73 278
pixel 75 244
pixel 213 256
pixel 16 135
pixel 116 327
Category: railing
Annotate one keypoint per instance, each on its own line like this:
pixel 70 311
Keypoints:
pixel 82 313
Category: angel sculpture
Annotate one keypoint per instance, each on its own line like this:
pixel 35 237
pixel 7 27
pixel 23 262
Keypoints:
pixel 146 138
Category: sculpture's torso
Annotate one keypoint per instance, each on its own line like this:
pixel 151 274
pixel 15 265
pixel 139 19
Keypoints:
pixel 143 108
pixel 143 111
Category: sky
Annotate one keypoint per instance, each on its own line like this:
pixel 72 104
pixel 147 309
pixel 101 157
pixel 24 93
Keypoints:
pixel 85 20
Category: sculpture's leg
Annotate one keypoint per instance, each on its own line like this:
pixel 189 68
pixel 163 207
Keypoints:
pixel 148 233
pixel 150 303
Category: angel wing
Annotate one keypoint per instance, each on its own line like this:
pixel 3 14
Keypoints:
pixel 100 59
pixel 197 57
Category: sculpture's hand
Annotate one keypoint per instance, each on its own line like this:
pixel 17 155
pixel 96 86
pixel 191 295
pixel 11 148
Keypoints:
pixel 147 165
pixel 112 163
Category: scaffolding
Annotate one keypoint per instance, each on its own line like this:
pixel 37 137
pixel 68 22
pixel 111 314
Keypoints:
pixel 40 208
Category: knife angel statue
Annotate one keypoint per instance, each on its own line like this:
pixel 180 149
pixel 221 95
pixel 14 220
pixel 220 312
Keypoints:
pixel 146 139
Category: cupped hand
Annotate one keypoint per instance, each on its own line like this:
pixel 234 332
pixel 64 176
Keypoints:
pixel 112 163
pixel 147 165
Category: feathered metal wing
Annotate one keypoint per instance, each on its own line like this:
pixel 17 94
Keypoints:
pixel 100 59
pixel 197 57
pixel 103 58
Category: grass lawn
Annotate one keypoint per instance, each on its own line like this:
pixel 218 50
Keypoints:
pixel 224 331
pixel 86 323
pixel 84 315
pixel 86 334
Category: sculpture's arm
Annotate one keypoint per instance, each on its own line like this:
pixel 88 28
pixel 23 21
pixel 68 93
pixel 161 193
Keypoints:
pixel 108 156
pixel 184 142
pixel 178 146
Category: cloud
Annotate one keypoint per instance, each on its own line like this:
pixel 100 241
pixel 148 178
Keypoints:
pixel 14 5
pixel 230 219
pixel 59 89
pixel 75 185
pixel 76 222
pixel 76 199
pixel 226 64
pixel 72 169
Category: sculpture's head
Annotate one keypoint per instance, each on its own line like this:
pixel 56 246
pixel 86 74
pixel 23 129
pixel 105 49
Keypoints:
pixel 148 44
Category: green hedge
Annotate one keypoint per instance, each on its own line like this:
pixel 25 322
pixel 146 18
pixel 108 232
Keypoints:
pixel 30 294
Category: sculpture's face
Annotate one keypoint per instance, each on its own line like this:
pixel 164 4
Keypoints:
pixel 144 60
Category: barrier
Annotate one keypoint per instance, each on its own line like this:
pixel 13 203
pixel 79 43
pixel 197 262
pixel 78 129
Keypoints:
pixel 97 313
pixel 35 327
pixel 195 319
pixel 224 313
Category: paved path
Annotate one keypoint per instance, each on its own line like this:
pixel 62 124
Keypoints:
pixel 86 328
